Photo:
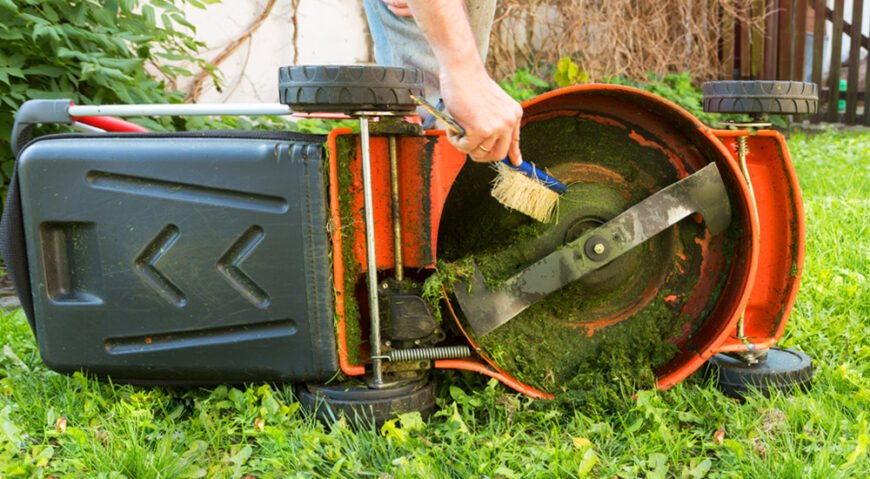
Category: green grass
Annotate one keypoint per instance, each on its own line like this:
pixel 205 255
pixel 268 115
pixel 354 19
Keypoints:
pixel 482 429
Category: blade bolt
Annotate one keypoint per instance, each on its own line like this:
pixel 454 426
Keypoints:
pixel 596 248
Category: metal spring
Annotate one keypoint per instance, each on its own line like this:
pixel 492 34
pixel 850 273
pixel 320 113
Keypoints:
pixel 742 146
pixel 421 354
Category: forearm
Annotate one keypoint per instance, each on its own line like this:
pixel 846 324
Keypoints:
pixel 445 25
pixel 490 117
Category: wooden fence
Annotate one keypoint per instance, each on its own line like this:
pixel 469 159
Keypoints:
pixel 770 44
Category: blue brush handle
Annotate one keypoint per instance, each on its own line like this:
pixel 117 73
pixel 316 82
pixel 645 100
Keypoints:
pixel 530 171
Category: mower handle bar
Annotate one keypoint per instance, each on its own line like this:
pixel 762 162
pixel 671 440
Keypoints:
pixel 89 117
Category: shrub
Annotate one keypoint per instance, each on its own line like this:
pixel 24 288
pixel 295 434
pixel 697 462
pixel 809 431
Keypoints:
pixel 92 51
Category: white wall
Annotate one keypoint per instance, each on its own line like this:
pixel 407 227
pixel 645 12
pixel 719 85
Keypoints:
pixel 330 31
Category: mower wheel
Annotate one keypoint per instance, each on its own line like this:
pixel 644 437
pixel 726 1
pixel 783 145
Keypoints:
pixel 761 97
pixel 363 405
pixel 349 88
pixel 783 369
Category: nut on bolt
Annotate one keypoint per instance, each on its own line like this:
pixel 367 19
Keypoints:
pixel 596 248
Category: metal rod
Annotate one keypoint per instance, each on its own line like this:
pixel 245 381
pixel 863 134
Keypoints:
pixel 742 153
pixel 397 216
pixel 371 257
pixel 216 109
pixel 84 128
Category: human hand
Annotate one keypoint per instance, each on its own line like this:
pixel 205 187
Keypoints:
pixel 399 8
pixel 490 117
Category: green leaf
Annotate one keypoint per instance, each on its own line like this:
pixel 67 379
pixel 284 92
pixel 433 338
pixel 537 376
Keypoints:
pixel 48 95
pixel 13 72
pixel 9 5
pixel 179 19
pixel 10 431
pixel 701 469
pixel 590 459
pixel 47 70
pixel 11 35
pixel 242 456
pixel 45 29
pixel 412 421
pixel 150 16
pixel 49 13
pixel 657 466
pixel 166 19
pixel 121 63
pixel 127 5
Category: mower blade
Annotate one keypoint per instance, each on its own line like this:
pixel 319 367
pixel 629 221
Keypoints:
pixel 703 193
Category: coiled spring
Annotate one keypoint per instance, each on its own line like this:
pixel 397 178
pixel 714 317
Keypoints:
pixel 422 354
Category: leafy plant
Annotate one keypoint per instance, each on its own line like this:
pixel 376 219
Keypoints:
pixel 568 73
pixel 678 88
pixel 90 51
pixel 524 85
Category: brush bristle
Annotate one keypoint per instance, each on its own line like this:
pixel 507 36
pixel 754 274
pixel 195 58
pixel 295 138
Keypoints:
pixel 521 193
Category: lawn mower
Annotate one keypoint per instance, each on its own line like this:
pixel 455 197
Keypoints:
pixel 355 264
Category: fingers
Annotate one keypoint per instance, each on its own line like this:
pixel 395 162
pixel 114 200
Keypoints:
pixel 464 144
pixel 496 150
pixel 495 147
pixel 490 117
pixel 496 143
pixel 514 152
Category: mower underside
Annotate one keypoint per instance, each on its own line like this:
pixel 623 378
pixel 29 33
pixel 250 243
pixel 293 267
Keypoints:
pixel 186 257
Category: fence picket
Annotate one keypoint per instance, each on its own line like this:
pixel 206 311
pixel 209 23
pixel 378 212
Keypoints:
pixel 800 38
pixel 834 71
pixel 854 64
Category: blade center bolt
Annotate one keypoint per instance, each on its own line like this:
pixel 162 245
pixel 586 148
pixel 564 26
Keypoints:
pixel 596 248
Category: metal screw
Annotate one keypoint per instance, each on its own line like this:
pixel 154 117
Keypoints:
pixel 598 248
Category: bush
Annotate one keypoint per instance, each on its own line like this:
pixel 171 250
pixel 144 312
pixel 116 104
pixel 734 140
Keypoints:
pixel 92 51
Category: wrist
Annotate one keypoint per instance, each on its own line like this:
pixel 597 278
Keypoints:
pixel 462 69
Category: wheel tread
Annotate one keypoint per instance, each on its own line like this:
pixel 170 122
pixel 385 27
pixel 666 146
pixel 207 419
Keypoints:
pixel 349 88
pixel 774 97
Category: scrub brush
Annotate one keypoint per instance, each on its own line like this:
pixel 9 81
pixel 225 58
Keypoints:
pixel 523 188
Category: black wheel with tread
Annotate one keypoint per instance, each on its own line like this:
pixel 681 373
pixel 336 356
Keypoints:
pixel 761 97
pixel 363 405
pixel 783 369
pixel 349 88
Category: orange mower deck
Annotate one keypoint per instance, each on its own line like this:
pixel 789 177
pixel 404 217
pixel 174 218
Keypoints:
pixel 763 273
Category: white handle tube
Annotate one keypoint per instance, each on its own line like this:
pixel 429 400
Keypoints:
pixel 215 109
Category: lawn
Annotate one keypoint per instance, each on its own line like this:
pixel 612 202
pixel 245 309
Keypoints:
pixel 53 425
